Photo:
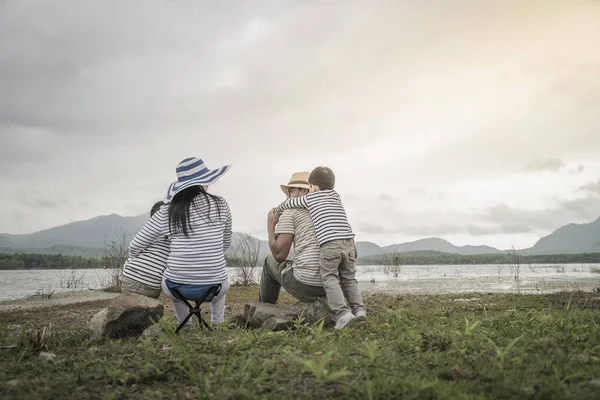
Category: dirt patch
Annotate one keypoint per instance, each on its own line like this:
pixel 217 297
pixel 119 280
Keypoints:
pixel 74 309
pixel 60 299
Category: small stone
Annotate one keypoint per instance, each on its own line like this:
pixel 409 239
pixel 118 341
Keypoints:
pixel 47 356
pixel 13 382
pixel 595 382
pixel 276 324
pixel 152 332
pixel 239 321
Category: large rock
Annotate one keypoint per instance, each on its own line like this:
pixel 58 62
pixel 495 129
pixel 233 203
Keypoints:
pixel 128 315
pixel 276 317
pixel 313 312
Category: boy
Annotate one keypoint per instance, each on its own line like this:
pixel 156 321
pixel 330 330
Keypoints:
pixel 143 274
pixel 336 241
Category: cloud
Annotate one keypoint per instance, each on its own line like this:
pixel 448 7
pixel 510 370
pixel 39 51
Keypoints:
pixel 562 212
pixel 386 198
pixel 593 187
pixel 94 116
pixel 579 170
pixel 369 228
pixel 546 164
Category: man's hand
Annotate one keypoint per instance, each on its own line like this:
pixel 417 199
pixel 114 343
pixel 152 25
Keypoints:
pixel 272 218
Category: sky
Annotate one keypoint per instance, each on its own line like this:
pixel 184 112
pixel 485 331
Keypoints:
pixel 475 121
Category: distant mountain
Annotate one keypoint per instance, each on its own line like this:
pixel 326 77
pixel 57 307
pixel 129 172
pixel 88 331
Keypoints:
pixel 572 238
pixel 92 233
pixel 441 245
pixel 89 236
pixel 366 249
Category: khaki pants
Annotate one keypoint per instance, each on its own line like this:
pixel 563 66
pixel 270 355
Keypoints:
pixel 277 275
pixel 338 274
pixel 130 286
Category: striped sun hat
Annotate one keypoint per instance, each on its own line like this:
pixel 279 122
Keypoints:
pixel 193 172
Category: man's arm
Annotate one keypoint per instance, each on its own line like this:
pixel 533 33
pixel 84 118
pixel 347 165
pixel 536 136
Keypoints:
pixel 281 244
pixel 293 202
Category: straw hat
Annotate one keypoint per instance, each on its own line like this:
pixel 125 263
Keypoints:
pixel 298 180
pixel 193 172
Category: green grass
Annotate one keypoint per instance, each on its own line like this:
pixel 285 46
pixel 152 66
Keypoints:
pixel 419 347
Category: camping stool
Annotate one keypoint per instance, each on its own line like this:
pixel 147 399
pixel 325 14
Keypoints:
pixel 198 293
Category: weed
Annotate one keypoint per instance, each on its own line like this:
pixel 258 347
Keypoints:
pixel 318 367
pixel 371 350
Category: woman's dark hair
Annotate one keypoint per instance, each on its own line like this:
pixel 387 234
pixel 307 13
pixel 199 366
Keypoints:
pixel 179 209
pixel 156 207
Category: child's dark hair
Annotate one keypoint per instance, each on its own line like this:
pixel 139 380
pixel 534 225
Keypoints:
pixel 156 207
pixel 322 177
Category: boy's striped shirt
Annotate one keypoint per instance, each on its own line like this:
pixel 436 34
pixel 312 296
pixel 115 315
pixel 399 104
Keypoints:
pixel 327 213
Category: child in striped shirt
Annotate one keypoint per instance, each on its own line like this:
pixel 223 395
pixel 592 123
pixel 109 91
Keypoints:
pixel 143 272
pixel 336 240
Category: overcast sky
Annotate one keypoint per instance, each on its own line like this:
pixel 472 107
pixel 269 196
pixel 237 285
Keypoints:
pixel 476 121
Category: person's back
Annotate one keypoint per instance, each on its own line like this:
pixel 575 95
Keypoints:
pixel 199 258
pixel 327 213
pixel 199 226
pixel 298 223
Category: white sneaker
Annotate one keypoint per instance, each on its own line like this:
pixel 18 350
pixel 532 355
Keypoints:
pixel 344 321
pixel 361 316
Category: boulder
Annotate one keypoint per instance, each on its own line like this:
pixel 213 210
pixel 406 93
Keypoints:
pixel 128 315
pixel 277 318
pixel 313 312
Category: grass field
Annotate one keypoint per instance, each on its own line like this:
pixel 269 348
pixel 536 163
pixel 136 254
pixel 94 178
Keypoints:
pixel 416 346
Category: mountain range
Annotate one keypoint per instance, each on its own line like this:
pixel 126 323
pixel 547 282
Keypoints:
pixel 87 238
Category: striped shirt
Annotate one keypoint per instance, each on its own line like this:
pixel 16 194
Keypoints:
pixel 148 267
pixel 327 213
pixel 200 258
pixel 306 249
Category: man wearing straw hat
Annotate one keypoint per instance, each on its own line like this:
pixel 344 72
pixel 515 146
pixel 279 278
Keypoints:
pixel 300 277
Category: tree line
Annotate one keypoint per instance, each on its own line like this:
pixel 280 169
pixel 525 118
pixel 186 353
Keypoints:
pixel 21 261
pixel 438 258
pixel 47 261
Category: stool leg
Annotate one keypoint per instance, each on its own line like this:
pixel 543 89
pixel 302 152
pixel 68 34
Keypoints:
pixel 183 323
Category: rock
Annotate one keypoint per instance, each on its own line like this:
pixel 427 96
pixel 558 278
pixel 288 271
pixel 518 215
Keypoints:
pixel 239 321
pixel 595 382
pixel 277 317
pixel 256 313
pixel 313 312
pixel 48 357
pixel 276 324
pixel 13 382
pixel 153 332
pixel 128 315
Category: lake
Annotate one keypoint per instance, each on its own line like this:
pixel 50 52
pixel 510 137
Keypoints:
pixel 543 278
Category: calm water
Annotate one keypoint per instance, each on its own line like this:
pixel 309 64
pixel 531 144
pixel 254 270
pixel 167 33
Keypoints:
pixel 407 279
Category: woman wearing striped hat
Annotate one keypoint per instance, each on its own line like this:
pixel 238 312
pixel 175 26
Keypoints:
pixel 199 226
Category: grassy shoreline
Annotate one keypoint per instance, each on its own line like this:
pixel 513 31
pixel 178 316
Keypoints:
pixel 416 346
